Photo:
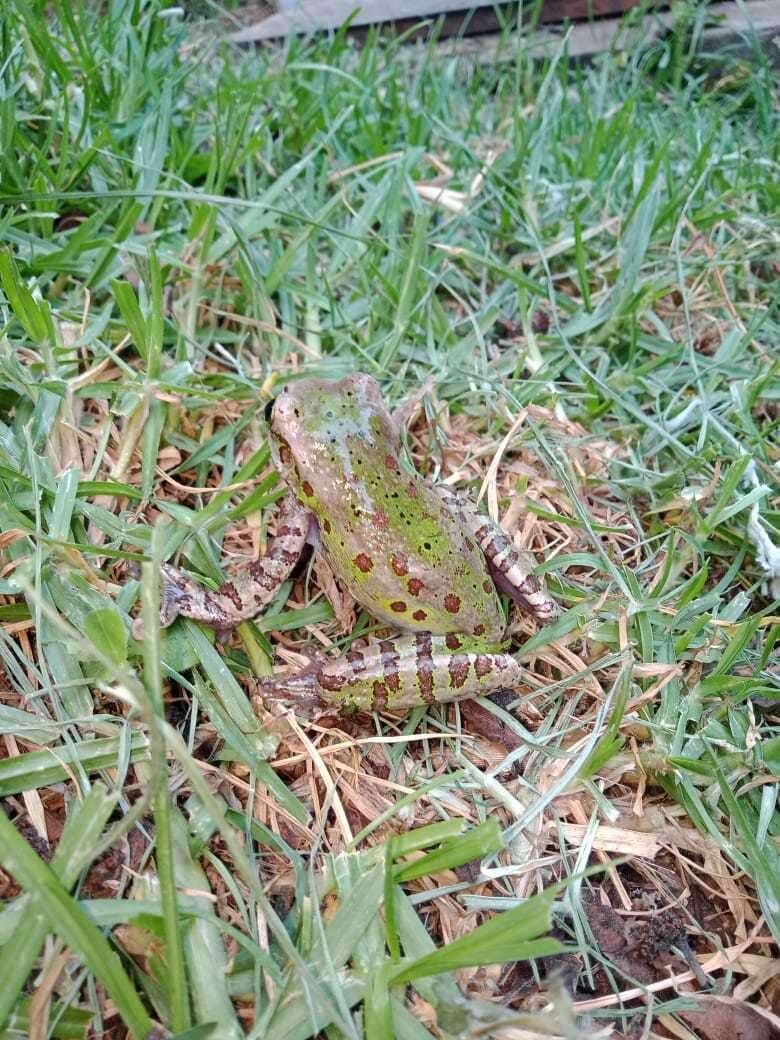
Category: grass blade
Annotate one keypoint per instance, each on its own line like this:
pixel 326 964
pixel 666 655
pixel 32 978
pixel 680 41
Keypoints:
pixel 65 917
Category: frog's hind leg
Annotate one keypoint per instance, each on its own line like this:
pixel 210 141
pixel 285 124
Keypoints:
pixel 243 596
pixel 398 674
pixel 507 567
pixel 511 574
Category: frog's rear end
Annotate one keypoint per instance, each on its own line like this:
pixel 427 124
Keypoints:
pixel 407 561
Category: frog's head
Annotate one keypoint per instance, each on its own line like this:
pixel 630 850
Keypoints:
pixel 311 421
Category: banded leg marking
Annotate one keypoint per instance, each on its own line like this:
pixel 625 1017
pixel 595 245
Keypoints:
pixel 509 571
pixel 243 596
pixel 398 674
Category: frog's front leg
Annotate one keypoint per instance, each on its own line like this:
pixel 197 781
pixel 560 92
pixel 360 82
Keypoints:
pixel 506 565
pixel 243 596
pixel 397 674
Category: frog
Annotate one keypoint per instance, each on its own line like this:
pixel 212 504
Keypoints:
pixel 413 553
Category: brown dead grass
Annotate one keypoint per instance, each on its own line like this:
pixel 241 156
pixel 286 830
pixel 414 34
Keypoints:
pixel 339 766
pixel 341 763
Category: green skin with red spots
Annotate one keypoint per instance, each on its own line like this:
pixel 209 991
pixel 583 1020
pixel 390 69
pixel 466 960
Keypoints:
pixel 387 534
pixel 413 555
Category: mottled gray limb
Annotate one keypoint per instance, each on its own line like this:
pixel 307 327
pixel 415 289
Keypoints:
pixel 397 674
pixel 244 596
pixel 507 568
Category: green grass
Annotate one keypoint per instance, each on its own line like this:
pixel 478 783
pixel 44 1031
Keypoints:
pixel 176 241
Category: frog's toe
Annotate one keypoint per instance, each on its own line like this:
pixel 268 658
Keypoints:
pixel 174 592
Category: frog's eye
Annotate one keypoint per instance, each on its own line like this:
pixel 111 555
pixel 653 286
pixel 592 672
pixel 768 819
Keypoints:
pixel 268 410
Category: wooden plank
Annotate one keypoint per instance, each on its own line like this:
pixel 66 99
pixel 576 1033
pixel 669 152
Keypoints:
pixel 471 16
pixel 739 25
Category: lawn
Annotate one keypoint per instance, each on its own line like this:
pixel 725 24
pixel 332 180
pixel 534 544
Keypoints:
pixel 568 274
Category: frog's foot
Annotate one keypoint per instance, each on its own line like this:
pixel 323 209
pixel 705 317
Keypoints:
pixel 301 689
pixel 525 589
pixel 507 567
pixel 244 596
pixel 398 674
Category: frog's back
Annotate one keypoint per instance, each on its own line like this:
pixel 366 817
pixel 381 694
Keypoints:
pixel 406 558
pixel 388 535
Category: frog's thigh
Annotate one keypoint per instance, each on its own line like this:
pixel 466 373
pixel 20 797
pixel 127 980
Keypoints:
pixel 409 670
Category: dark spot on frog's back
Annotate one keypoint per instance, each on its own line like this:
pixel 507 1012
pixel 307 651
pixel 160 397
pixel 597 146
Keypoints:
pixel 307 489
pixel 400 564
pixel 326 526
pixel 452 603
pixel 364 563
pixel 452 641
pixel 415 586
pixel 488 586
pixel 392 463
pixel 479 630
pixel 419 615
pixel 398 606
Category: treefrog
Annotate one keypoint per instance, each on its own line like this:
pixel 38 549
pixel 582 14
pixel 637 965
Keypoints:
pixel 413 554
